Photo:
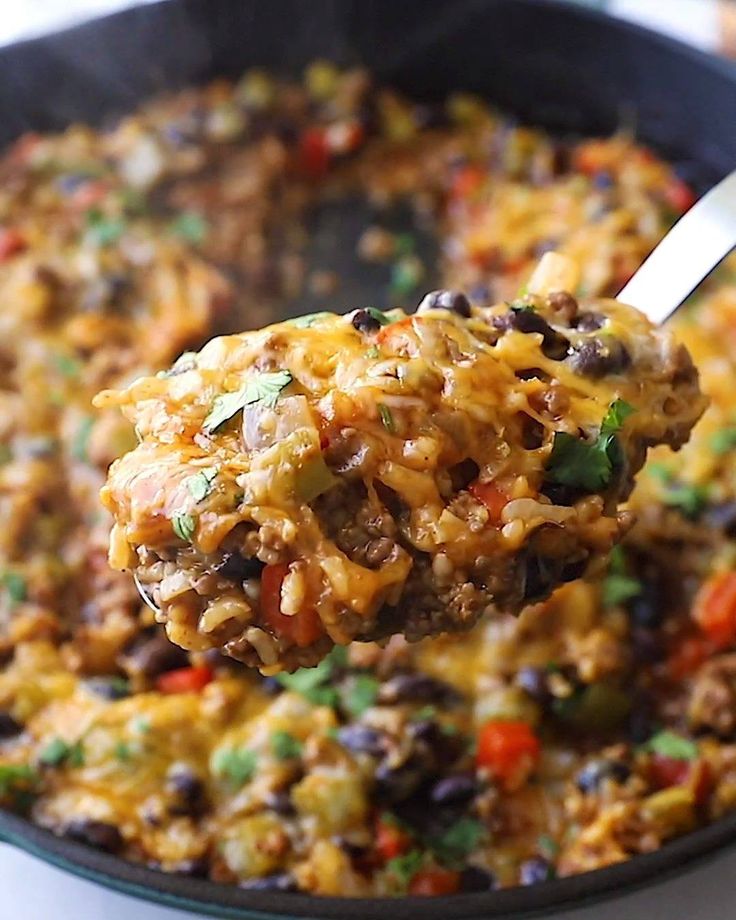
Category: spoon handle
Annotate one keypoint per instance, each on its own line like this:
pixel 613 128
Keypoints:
pixel 694 246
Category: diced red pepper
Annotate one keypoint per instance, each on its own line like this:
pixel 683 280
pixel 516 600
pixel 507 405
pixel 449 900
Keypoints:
pixel 504 747
pixel 314 154
pixel 668 771
pixel 468 181
pixel 678 195
pixel 686 656
pixel 593 156
pixel 184 680
pixel 491 496
pixel 391 840
pixel 714 609
pixel 11 242
pixel 304 627
pixel 434 882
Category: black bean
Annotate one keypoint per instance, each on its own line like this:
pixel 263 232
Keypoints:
pixel 589 321
pixel 538 577
pixel 593 773
pixel 416 688
pixel 271 686
pixel 396 782
pixel 186 789
pixel 536 870
pixel 364 321
pixel 531 373
pixel 564 305
pixel 443 746
pixel 463 473
pixel 280 802
pixel 155 655
pixel 526 320
pixel 532 432
pixel 9 727
pixel 571 571
pixel 455 301
pixel 473 878
pixel 599 356
pixel 559 493
pixel 647 645
pixel 454 790
pixel 237 567
pixel 283 881
pixel 108 688
pixel 362 740
pixel 603 180
pixel 722 517
pixel 534 682
pixel 646 609
pixel 353 850
pixel 97 834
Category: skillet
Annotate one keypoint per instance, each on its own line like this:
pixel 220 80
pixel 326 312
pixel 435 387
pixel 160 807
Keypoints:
pixel 561 67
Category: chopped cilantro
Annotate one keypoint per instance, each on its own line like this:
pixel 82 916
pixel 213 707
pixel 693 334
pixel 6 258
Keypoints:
pixel 200 484
pixel 456 843
pixel 689 498
pixel 406 866
pixel 387 418
pixel 236 764
pixel 264 389
pixel 425 713
pixel 80 441
pixel 58 752
pixel 588 465
pixel 723 441
pixel 190 226
pixel 314 684
pixel 102 230
pixel 309 319
pixel 360 694
pixel 670 744
pixel 123 751
pixel 379 316
pixel 15 587
pixel 619 586
pixel 285 746
pixel 184 526
pixel 141 725
pixel 548 846
pixel 13 776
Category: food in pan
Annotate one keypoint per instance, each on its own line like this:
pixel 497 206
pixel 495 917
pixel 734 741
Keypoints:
pixel 333 478
pixel 593 727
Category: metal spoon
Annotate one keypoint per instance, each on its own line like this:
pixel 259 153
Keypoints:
pixel 694 246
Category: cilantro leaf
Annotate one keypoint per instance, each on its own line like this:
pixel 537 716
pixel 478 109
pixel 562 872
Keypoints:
pixel 405 867
pixel 360 694
pixel 67 366
pixel 459 840
pixel 264 389
pixel 285 746
pixel 102 230
pixel 723 441
pixel 200 484
pixel 387 418
pixel 379 316
pixel 314 684
pixel 80 441
pixel 617 589
pixel 309 319
pixel 589 465
pixel 670 744
pixel 184 526
pixel 14 776
pixel 236 764
pixel 190 226
pixel 689 498
pixel 123 751
pixel 58 752
pixel 15 587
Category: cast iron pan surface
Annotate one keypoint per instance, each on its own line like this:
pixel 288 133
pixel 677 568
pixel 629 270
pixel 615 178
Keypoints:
pixel 560 67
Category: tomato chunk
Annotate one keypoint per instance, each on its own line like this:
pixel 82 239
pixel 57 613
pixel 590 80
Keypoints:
pixel 11 242
pixel 391 840
pixel 304 627
pixel 714 609
pixel 314 154
pixel 686 656
pixel 184 680
pixel 491 496
pixel 433 882
pixel 506 748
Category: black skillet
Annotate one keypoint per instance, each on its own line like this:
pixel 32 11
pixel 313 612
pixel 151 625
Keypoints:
pixel 558 66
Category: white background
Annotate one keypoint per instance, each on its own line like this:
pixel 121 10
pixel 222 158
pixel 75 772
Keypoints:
pixel 30 890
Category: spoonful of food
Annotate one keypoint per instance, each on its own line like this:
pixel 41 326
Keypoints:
pixel 346 477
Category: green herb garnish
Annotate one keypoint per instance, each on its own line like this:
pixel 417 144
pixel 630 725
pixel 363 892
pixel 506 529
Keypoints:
pixel 190 226
pixel 387 418
pixel 237 764
pixel 67 366
pixel 285 746
pixel 670 744
pixel 200 484
pixel 309 319
pixel 315 684
pixel 360 694
pixel 264 389
pixel 123 751
pixel 58 752
pixel 458 841
pixel 379 316
pixel 548 846
pixel 690 499
pixel 184 526
pixel 15 587
pixel 618 585
pixel 102 230
pixel 406 866
pixel 373 352
pixel 589 465
pixel 723 441
pixel 13 776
